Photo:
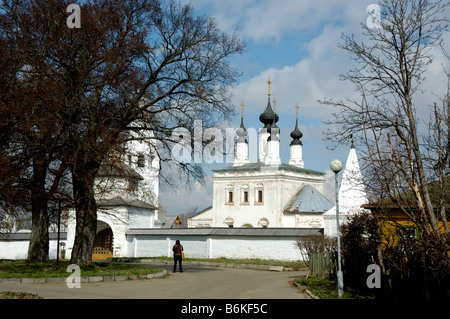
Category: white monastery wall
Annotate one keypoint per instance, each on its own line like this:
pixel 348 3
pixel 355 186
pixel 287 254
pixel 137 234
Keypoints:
pixel 203 243
pixel 18 248
pixel 263 248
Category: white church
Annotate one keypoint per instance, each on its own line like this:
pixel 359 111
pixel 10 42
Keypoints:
pixel 269 193
pixel 259 209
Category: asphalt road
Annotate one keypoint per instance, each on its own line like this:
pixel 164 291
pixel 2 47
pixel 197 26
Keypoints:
pixel 195 282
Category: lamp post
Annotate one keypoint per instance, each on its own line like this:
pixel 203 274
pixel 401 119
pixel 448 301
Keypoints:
pixel 336 167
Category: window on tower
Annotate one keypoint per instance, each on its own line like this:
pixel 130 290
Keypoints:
pixel 141 160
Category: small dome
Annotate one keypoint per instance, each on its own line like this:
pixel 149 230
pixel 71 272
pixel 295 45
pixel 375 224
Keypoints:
pixel 296 135
pixel 241 132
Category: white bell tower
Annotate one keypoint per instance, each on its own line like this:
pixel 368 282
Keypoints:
pixel 241 157
pixel 296 146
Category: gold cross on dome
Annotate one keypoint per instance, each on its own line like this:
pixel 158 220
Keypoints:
pixel 242 107
pixel 269 83
pixel 296 111
pixel 274 104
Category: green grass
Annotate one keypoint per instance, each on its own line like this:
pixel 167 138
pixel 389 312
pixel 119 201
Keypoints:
pixel 327 289
pixel 294 265
pixel 19 295
pixel 52 269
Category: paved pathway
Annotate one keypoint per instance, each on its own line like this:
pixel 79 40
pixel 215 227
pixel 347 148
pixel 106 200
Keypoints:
pixel 195 282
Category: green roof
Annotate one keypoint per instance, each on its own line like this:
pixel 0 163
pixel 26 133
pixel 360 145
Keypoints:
pixel 308 200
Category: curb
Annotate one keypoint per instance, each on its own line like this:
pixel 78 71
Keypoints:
pixel 309 293
pixel 84 279
pixel 207 264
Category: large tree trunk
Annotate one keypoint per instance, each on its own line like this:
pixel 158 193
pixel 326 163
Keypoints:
pixel 39 241
pixel 86 216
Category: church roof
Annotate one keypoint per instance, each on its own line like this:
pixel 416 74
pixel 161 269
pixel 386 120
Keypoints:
pixel 118 169
pixel 308 200
pixel 119 201
pixel 260 166
pixel 241 132
pixel 225 231
pixel 171 221
pixel 296 135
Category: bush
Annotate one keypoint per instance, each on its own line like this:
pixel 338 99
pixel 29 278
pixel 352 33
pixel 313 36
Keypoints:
pixel 320 254
pixel 411 267
pixel 361 240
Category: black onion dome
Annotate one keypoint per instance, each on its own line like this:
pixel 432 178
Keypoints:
pixel 273 128
pixel 241 131
pixel 268 115
pixel 296 135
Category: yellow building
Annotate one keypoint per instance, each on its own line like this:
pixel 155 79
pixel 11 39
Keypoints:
pixel 395 221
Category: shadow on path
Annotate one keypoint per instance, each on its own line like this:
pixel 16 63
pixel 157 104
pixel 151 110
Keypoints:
pixel 186 268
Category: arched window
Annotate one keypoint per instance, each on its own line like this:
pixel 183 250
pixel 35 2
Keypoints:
pixel 244 194
pixel 259 194
pixel 229 195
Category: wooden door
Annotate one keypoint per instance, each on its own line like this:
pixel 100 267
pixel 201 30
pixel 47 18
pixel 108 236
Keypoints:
pixel 103 245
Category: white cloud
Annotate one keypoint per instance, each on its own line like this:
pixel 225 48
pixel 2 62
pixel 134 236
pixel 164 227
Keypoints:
pixel 309 80
pixel 313 76
pixel 265 20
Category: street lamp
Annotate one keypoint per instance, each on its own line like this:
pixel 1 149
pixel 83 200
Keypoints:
pixel 336 167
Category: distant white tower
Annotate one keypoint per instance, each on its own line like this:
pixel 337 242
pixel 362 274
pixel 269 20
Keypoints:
pixel 296 146
pixel 241 157
pixel 352 194
pixel 142 157
pixel 273 144
pixel 268 117
pixel 269 135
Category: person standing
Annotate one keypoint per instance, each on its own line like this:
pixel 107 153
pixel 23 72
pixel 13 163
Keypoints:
pixel 177 256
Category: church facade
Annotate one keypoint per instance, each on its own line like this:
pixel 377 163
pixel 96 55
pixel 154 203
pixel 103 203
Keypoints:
pixel 266 193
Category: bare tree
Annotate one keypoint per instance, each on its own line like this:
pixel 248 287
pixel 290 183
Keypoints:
pixel 390 69
pixel 132 66
pixel 437 145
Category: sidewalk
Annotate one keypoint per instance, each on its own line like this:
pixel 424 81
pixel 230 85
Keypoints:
pixel 208 264
pixel 84 279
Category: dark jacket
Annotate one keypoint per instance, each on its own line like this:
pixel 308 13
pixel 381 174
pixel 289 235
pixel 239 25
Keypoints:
pixel 177 250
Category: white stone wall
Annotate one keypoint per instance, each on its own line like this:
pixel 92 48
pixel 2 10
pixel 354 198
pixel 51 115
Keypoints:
pixel 237 247
pixel 14 249
pixel 203 244
pixel 263 248
pixel 18 249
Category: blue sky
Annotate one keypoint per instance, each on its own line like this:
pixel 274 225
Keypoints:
pixel 295 42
